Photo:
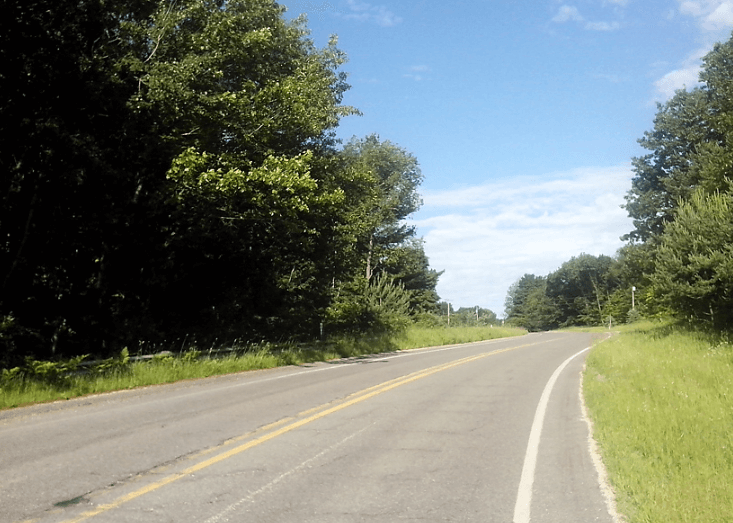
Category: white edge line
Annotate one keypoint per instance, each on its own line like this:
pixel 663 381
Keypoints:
pixel 524 493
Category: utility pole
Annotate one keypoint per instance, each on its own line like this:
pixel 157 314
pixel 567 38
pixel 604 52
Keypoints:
pixel 633 289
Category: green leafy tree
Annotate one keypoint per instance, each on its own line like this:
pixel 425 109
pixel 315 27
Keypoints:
pixel 690 148
pixel 541 312
pixel 664 176
pixel 679 200
pixel 514 305
pixel 409 266
pixel 174 172
pixel 72 154
pixel 527 304
pixel 471 316
pixel 632 267
pixel 580 289
pixel 382 195
pixel 395 178
pixel 694 269
pixel 248 106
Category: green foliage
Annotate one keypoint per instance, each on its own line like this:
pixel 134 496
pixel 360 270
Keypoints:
pixel 633 316
pixel 473 316
pixel 665 176
pixel 694 269
pixel 190 356
pixel 378 306
pixel 680 201
pixel 387 278
pixel 112 366
pixel 55 373
pixel 178 174
pixel 394 175
pixel 408 265
pixel 585 290
pixel 581 288
pixel 528 305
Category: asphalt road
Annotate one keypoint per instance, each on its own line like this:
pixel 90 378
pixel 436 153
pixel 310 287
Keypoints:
pixel 485 432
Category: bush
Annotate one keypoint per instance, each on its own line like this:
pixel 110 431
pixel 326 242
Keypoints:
pixel 380 306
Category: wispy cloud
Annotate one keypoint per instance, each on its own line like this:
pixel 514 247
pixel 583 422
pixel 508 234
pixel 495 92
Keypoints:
pixel 685 77
pixel 313 8
pixel 487 237
pixel 365 12
pixel 602 26
pixel 711 15
pixel 568 13
pixel 714 19
pixel 417 72
pixel 613 78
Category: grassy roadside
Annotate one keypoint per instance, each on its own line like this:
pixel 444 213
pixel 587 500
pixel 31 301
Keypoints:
pixel 661 402
pixel 48 384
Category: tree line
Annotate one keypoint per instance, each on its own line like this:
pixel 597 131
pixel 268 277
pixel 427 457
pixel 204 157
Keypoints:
pixel 171 169
pixel 679 257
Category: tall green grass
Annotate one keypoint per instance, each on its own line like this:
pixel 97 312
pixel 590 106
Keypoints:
pixel 662 404
pixel 45 381
pixel 417 337
pixel 24 390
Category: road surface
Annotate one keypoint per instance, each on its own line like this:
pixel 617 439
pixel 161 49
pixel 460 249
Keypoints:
pixel 482 432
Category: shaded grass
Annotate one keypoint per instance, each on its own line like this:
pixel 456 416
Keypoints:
pixel 660 398
pixel 25 390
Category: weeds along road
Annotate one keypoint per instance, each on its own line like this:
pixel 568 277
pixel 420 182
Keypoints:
pixel 443 434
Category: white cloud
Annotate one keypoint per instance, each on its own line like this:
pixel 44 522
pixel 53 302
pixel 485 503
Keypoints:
pixel 364 12
pixel 602 26
pixel 712 15
pixel 715 20
pixel 487 237
pixel 691 8
pixel 568 13
pixel 416 72
pixel 721 18
pixel 686 77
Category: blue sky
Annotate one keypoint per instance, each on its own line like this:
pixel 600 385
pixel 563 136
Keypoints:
pixel 524 116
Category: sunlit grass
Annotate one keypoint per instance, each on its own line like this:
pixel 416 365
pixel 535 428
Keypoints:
pixel 661 403
pixel 416 337
pixel 167 369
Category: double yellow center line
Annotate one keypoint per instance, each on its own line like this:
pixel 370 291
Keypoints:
pixel 307 417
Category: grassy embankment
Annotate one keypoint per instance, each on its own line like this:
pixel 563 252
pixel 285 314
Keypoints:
pixel 49 382
pixel 661 399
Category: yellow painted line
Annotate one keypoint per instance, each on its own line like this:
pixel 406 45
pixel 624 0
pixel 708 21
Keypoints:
pixel 357 397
